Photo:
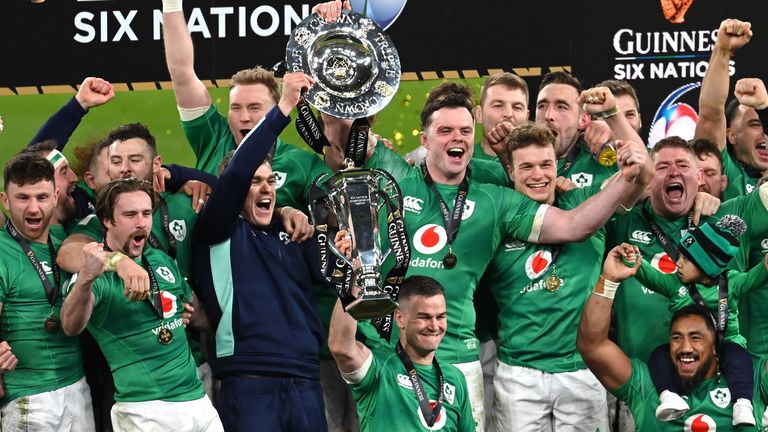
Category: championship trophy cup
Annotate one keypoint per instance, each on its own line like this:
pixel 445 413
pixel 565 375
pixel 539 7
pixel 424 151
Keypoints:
pixel 357 72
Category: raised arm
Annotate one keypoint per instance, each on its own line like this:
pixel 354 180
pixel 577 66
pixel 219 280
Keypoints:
pixel 732 35
pixel 180 58
pixel 600 103
pixel 560 226
pixel 350 355
pixel 60 126
pixel 78 306
pixel 603 357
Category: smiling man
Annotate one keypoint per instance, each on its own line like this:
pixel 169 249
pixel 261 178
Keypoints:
pixel 44 386
pixel 458 223
pixel 692 349
pixel 256 286
pixel 143 339
pixel 387 385
pixel 66 180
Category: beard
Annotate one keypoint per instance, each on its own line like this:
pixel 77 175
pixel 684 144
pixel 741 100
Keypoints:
pixel 688 384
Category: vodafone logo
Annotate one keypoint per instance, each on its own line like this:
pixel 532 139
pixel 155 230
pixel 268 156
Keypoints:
pixel 700 423
pixel 430 239
pixel 169 304
pixel 439 422
pixel 537 264
pixel 663 263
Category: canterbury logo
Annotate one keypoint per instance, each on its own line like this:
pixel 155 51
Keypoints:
pixel 413 204
pixel 674 10
pixel 643 237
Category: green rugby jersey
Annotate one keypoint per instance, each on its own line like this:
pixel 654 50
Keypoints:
pixel 126 332
pixel 711 405
pixel 491 213
pixel 739 181
pixel 46 361
pixel 585 171
pixel 537 327
pixel 295 169
pixel 636 303
pixel 386 401
pixel 739 284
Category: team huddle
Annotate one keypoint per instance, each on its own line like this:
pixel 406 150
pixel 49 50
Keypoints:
pixel 562 275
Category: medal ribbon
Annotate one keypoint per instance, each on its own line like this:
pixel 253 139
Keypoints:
pixel 661 237
pixel 152 238
pixel 51 290
pixel 721 323
pixel 155 301
pixel 357 142
pixel 308 126
pixel 430 414
pixel 451 221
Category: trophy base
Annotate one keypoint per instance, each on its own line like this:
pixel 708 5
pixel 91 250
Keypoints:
pixel 369 306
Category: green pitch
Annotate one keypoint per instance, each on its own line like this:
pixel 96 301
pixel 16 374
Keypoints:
pixel 23 116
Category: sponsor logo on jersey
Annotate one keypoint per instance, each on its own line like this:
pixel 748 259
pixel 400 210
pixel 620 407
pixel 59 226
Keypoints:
pixel 279 178
pixel 469 208
pixel 582 179
pixel 427 263
pixel 430 239
pixel 169 304
pixel 682 292
pixel 764 245
pixel 513 245
pixel 178 228
pixel 441 416
pixel 535 286
pixel 640 236
pixel 166 274
pixel 537 263
pixel 700 423
pixel 663 263
pixel 721 397
pixel 749 188
pixel 412 204
pixel 173 324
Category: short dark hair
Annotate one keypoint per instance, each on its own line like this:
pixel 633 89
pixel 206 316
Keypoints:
pixel 28 167
pixel 46 146
pixel 228 158
pixel 703 147
pixel 506 79
pixel 673 142
pixel 529 134
pixel 107 197
pixel 561 77
pixel 133 130
pixel 694 310
pixel 621 88
pixel 449 87
pixel 450 100
pixel 420 286
pixel 731 108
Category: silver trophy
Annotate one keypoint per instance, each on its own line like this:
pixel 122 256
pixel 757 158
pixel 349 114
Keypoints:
pixel 357 72
pixel 354 63
pixel 353 200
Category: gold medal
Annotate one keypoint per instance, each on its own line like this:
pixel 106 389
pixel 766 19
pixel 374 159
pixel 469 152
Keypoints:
pixel 164 335
pixel 51 324
pixel 607 155
pixel 553 282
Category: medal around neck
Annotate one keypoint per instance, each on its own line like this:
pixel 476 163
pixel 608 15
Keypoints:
pixel 354 63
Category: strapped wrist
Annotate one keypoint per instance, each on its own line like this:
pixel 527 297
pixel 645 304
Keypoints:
pixel 602 115
pixel 112 259
pixel 606 288
pixel 172 6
